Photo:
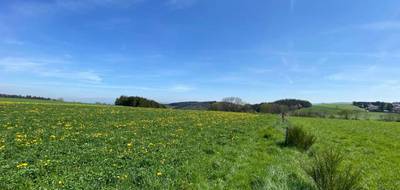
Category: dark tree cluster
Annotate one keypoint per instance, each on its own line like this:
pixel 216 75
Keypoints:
pixel 24 97
pixel 375 106
pixel 281 106
pixel 294 103
pixel 192 105
pixel 235 104
pixel 229 104
pixel 271 108
pixel 231 107
pixel 135 101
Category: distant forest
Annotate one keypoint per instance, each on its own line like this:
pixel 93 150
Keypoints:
pixel 235 104
pixel 230 104
pixel 136 101
pixel 25 97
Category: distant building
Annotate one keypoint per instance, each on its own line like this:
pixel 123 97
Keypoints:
pixel 396 107
pixel 372 107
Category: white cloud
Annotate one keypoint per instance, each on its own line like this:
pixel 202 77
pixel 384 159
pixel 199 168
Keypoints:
pixel 372 74
pixel 12 41
pixel 180 4
pixel 84 4
pixel 11 64
pixel 181 88
pixel 292 5
pixel 46 68
pixel 90 76
pixel 260 70
pixel 325 54
pixel 33 8
pixel 383 25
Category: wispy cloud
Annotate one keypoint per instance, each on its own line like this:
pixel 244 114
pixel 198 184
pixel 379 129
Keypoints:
pixel 378 54
pixel 371 74
pixel 292 5
pixel 11 64
pixel 32 8
pixel 180 4
pixel 13 41
pixel 46 68
pixel 382 25
pixel 181 88
pixel 260 70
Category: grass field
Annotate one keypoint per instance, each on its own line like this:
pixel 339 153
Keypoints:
pixel 345 106
pixel 339 110
pixel 72 146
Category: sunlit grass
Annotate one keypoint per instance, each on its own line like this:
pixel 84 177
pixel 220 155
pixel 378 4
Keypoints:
pixel 76 146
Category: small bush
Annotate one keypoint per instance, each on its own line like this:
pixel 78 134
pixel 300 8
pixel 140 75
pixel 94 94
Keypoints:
pixel 297 137
pixel 326 172
pixel 136 101
pixel 231 107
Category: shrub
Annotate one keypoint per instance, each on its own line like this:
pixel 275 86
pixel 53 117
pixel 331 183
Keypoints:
pixel 297 137
pixel 281 106
pixel 135 101
pixel 294 104
pixel 231 107
pixel 326 172
pixel 272 108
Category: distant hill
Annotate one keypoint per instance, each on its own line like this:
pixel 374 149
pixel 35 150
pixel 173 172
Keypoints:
pixel 192 105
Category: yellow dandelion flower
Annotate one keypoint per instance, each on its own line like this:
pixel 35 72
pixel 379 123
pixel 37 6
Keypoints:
pixel 129 145
pixel 22 165
pixel 159 174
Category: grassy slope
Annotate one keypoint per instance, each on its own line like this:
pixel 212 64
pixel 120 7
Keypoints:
pixel 370 145
pixel 346 106
pixel 333 110
pixel 95 147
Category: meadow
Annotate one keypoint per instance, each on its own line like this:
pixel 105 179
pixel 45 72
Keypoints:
pixel 45 145
pixel 345 111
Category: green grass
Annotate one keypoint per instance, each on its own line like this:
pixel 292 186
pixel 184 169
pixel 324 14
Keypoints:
pixel 336 111
pixel 344 106
pixel 76 146
pixel 28 100
pixel 370 145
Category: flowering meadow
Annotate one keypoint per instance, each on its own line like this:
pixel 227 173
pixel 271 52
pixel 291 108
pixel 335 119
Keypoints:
pixel 77 146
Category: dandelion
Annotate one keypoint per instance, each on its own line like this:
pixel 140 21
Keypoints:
pixel 129 145
pixel 19 137
pixel 159 174
pixel 22 165
pixel 45 162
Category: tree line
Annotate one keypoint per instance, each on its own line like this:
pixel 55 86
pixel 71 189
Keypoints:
pixel 235 104
pixel 136 101
pixel 375 106
pixel 24 97
pixel 230 104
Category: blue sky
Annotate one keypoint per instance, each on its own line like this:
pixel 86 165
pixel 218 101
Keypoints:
pixel 179 50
